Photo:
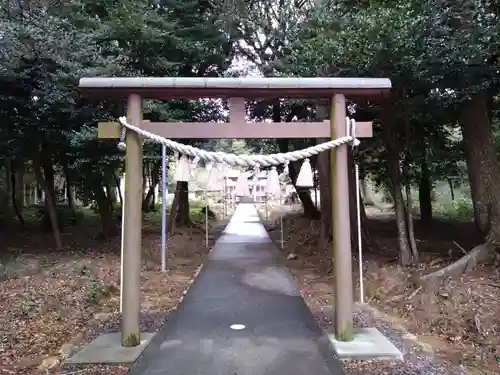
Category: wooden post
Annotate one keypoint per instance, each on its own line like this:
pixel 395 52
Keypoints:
pixel 341 228
pixel 132 228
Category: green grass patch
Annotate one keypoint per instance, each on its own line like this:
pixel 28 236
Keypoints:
pixel 445 205
pixel 196 213
pixel 453 208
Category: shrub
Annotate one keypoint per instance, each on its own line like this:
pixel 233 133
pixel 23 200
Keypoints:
pixel 65 217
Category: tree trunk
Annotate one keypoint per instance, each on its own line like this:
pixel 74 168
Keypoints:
pixel 424 194
pixel 182 218
pixel 48 172
pixel 179 213
pixel 148 203
pixel 325 194
pixel 353 209
pixel 20 187
pixel 364 223
pixel 310 210
pixel 452 191
pixel 17 190
pixel 69 187
pixel 69 196
pixel 6 187
pixel 409 222
pixel 324 177
pixel 111 189
pixel 482 164
pixel 105 209
pixel 316 184
pixel 173 211
pixel 304 195
pixel 366 192
pixel 145 183
pixel 48 189
pixel 410 231
pixel 405 254
pixel 118 187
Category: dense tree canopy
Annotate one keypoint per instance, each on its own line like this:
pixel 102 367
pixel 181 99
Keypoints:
pixel 442 58
pixel 429 177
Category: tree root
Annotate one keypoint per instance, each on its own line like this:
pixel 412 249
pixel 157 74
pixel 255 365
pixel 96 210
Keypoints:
pixel 478 254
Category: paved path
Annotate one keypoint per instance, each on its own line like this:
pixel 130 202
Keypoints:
pixel 243 283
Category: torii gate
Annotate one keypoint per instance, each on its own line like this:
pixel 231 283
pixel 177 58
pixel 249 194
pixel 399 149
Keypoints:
pixel 236 90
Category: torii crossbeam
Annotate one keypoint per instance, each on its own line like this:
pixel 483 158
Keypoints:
pixel 235 89
pixel 238 127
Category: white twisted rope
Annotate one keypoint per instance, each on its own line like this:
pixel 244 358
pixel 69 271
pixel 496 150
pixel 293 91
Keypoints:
pixel 236 160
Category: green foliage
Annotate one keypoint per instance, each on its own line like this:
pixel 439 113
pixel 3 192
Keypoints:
pixel 196 213
pixel 65 216
pixel 95 290
pixel 453 208
pixel 446 206
pixel 435 53
pixel 132 340
pixel 47 48
pixel 7 270
pixel 239 147
pixel 29 307
pixel 235 146
pixel 153 218
pixel 82 269
pixel 460 209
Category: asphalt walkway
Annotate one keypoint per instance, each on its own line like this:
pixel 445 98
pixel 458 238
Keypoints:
pixel 243 315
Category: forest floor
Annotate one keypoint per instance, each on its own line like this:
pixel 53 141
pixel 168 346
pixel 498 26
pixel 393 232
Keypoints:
pixel 52 302
pixel 454 326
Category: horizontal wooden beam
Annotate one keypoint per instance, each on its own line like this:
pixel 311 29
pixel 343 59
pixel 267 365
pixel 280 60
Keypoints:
pixel 227 87
pixel 235 130
pixel 242 83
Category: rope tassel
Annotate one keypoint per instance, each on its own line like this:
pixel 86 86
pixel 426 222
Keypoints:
pixel 122 146
pixel 242 189
pixel 273 187
pixel 183 169
pixel 286 171
pixel 305 178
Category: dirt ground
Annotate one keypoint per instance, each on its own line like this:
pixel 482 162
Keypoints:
pixel 458 321
pixel 52 302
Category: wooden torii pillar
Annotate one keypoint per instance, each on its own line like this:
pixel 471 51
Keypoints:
pixel 236 89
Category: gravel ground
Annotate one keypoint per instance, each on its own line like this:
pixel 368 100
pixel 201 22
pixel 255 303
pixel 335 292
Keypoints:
pixel 418 359
pixel 150 322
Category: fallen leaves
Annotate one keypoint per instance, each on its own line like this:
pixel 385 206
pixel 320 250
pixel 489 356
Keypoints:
pixel 460 318
pixel 47 310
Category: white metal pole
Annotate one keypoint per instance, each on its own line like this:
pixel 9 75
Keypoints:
pixel 360 241
pixel 164 208
pixel 265 206
pixel 206 218
pixel 121 257
pixel 224 199
pixel 351 129
pixel 281 222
